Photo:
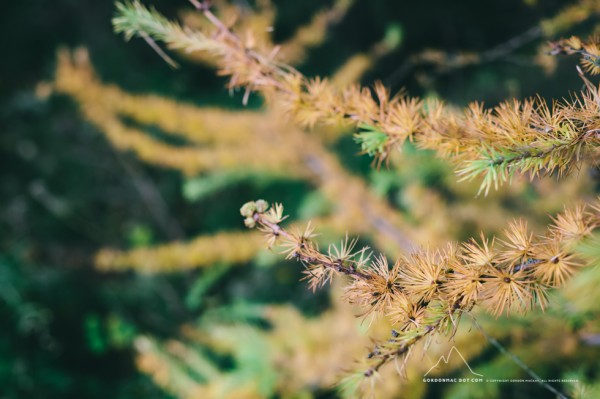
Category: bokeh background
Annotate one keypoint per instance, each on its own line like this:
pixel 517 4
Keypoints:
pixel 125 270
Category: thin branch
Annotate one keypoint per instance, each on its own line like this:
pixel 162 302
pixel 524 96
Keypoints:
pixel 404 348
pixel 528 154
pixel 527 265
pixel 494 54
pixel 158 50
pixel 517 361
pixel 277 231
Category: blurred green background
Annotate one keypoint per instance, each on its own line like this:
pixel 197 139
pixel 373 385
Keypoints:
pixel 65 193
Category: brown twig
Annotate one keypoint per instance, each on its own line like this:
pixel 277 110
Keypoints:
pixel 277 231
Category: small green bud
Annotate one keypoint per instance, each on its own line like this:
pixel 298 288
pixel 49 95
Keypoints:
pixel 248 209
pixel 261 206
pixel 250 222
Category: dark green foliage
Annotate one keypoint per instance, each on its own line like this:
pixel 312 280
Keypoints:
pixel 65 193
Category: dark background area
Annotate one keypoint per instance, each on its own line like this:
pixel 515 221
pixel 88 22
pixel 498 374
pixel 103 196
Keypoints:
pixel 64 192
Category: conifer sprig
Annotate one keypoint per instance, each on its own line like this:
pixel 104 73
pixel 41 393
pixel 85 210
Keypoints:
pixel 428 290
pixel 589 50
pixel 514 137
pixel 133 19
